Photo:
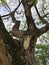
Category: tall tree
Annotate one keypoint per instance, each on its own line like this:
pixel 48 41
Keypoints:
pixel 23 51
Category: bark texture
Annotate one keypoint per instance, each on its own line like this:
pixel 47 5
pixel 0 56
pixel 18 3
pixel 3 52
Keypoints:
pixel 5 57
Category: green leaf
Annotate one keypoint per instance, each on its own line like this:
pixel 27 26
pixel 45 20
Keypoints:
pixel 3 1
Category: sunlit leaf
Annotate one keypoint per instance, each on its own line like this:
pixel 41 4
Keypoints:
pixel 3 1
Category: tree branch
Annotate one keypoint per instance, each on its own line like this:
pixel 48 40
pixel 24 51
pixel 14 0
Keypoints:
pixel 46 27
pixel 30 20
pixel 12 11
pixel 46 15
pixel 40 17
pixel 43 29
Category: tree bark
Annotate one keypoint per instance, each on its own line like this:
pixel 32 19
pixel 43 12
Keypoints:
pixel 20 55
pixel 10 46
pixel 5 57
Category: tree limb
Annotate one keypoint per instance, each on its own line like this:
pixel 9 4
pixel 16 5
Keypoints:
pixel 12 11
pixel 30 20
pixel 46 27
pixel 43 30
pixel 40 17
pixel 46 15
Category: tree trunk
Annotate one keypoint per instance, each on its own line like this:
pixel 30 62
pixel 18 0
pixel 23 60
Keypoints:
pixel 10 46
pixel 5 57
pixel 22 52
pixel 29 50
pixel 17 53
